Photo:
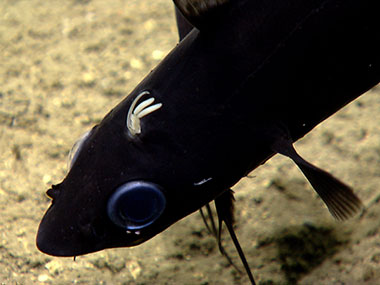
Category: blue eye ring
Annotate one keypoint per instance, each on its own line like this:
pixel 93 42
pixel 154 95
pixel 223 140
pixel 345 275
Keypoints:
pixel 136 205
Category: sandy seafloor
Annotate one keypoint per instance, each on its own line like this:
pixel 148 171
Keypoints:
pixel 65 64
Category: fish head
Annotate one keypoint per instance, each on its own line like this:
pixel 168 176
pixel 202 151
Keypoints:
pixel 162 153
pixel 129 179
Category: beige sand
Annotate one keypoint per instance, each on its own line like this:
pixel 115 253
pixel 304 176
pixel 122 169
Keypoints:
pixel 65 64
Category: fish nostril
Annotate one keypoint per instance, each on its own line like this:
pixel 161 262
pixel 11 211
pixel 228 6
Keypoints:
pixel 53 192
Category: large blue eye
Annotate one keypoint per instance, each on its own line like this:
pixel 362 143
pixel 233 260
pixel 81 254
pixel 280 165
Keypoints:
pixel 136 205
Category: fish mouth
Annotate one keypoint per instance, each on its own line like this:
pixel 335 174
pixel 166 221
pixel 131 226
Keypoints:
pixel 59 236
pixel 50 247
pixel 53 242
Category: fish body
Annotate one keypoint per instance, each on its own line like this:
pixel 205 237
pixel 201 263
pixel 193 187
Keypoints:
pixel 250 79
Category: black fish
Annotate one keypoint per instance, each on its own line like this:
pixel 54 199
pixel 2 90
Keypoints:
pixel 253 77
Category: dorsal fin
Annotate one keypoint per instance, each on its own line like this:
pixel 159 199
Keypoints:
pixel 200 12
pixel 183 25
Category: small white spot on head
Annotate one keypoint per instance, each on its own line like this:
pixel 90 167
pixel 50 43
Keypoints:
pixel 203 181
pixel 141 110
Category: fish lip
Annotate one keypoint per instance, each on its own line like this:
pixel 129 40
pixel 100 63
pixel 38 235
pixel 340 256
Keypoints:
pixel 45 246
pixel 41 245
pixel 49 246
pixel 53 247
pixel 52 243
pixel 56 240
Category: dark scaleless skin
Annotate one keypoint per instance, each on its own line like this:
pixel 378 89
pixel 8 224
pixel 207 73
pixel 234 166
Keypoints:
pixel 255 77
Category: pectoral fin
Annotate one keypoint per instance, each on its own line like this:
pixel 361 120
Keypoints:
pixel 200 12
pixel 338 197
pixel 225 208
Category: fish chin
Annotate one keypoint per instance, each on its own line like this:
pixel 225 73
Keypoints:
pixel 56 240
pixel 58 236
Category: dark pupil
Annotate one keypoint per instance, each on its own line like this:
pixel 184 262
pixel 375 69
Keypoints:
pixel 139 206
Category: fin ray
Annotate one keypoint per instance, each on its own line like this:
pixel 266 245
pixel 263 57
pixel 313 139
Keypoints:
pixel 225 208
pixel 197 11
pixel 338 197
pixel 217 233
